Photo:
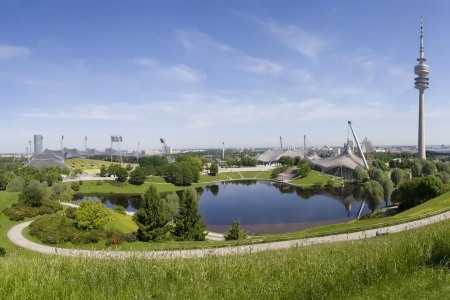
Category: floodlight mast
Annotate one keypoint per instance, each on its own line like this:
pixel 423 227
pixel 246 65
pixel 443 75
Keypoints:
pixel 366 166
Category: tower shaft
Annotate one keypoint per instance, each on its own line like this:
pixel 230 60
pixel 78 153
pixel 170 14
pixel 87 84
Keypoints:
pixel 421 83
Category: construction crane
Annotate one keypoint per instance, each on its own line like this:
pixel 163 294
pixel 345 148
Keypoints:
pixel 366 166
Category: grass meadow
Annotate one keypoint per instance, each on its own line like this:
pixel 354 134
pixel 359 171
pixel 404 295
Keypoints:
pixel 408 265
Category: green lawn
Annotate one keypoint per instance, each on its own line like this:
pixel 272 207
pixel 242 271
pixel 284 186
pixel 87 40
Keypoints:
pixel 121 222
pixel 155 179
pixel 232 175
pixel 311 178
pixel 206 178
pixel 265 175
pixel 250 174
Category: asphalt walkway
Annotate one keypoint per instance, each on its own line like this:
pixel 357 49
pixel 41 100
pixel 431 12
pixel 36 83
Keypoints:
pixel 15 235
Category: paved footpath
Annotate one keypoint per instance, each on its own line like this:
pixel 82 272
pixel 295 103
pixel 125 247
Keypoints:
pixel 15 235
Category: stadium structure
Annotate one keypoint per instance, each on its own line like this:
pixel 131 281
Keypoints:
pixel 52 158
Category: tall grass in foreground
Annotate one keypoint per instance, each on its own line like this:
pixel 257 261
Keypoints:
pixel 330 271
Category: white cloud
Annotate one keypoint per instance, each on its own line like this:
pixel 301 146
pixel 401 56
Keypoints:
pixel 199 43
pixel 298 39
pixel 184 73
pixel 294 37
pixel 257 65
pixel 8 51
pixel 144 61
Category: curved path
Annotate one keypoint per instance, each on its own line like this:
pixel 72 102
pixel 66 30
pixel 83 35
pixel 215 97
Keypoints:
pixel 15 235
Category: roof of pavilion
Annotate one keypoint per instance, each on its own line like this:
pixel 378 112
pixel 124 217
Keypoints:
pixel 346 159
pixel 274 155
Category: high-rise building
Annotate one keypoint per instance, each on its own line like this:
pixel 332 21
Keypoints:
pixel 38 144
pixel 421 83
pixel 366 145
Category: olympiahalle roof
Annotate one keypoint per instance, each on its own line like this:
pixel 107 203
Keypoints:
pixel 346 159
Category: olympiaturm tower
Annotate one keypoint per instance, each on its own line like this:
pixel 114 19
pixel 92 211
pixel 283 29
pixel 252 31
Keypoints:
pixel 421 83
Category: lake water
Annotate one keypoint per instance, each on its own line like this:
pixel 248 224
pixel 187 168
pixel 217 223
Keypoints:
pixel 263 207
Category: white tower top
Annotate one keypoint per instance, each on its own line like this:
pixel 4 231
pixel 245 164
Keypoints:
pixel 422 70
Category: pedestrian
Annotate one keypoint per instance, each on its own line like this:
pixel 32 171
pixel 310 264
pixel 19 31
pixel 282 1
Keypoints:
pixel 377 233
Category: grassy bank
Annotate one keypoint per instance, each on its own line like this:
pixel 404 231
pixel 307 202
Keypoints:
pixel 399 266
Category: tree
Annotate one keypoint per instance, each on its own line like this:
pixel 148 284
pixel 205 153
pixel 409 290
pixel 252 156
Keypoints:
pixel 373 193
pixel 303 168
pixel 286 161
pixel 92 215
pixel 418 190
pixel 57 189
pixel 443 167
pixel 171 204
pixel 32 194
pixel 397 176
pixel 137 176
pixel 375 174
pixel 359 173
pixel 213 169
pixel 189 225
pixel 122 174
pixel 428 167
pixel 103 171
pixel 416 168
pixel 16 185
pixel 388 186
pixel 444 177
pixel 151 217
pixel 129 167
pixel 235 232
pixel 65 171
pixel 66 196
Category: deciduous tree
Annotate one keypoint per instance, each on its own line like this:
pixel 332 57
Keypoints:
pixel 213 169
pixel 92 215
pixel 397 176
pixel 373 193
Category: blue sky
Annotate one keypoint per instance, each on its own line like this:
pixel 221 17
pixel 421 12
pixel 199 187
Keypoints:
pixel 199 73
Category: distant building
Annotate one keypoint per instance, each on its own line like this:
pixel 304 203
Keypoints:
pixel 38 144
pixel 366 146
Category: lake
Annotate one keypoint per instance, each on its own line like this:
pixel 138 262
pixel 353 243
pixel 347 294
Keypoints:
pixel 263 207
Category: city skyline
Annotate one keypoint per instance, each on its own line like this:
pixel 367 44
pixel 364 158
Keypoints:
pixel 201 73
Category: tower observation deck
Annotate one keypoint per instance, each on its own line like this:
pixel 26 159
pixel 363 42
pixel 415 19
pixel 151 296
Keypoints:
pixel 421 83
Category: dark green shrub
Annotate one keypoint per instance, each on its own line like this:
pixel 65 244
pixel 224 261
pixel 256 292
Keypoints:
pixel 318 185
pixel 235 232
pixel 113 233
pixel 81 182
pixel 99 182
pixel 18 211
pixel 53 229
pixel 2 251
pixel 128 237
pixel 88 237
pixel 75 186
pixel 70 212
pixel 120 209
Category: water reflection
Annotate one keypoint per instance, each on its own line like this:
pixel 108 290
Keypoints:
pixel 264 207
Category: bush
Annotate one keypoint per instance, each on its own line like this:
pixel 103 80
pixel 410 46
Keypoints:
pixel 235 232
pixel 53 229
pixel 317 184
pixel 18 211
pixel 87 237
pixel 81 182
pixel 99 182
pixel 330 182
pixel 75 186
pixel 113 233
pixel 113 241
pixel 120 209
pixel 70 212
pixel 129 237
pixel 2 251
